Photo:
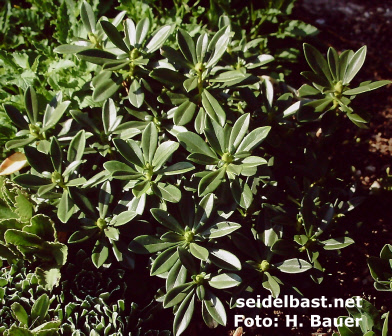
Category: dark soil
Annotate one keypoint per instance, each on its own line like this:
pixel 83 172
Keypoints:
pixel 350 24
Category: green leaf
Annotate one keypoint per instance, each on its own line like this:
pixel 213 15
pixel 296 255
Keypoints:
pixel 177 295
pixel 354 65
pixel 294 265
pixel 136 94
pixel 306 91
pixel 71 48
pixel 96 56
pixel 130 32
pixel 211 181
pixel 193 143
pixel 148 244
pixel 56 155
pixel 320 105
pixel 123 218
pixel 216 136
pixel 253 139
pixel 207 318
pixel 31 103
pixel 215 308
pixel 163 153
pixel 82 201
pixel 20 313
pixel 337 243
pixel 366 88
pixel 225 280
pixel 53 117
pixel 333 63
pixel 99 254
pixel 203 159
pixel 203 212
pixel 149 142
pixel 158 39
pixel 242 193
pixel 190 84
pixel 40 308
pixel 271 284
pixel 184 314
pixel 142 29
pixel 130 150
pixel 187 46
pixel 17 143
pixel 187 260
pixel 317 62
pixel 238 132
pixel 65 208
pixel 39 161
pixel 112 233
pixel 121 171
pixel 16 117
pixel 82 235
pixel 225 260
pixel 220 229
pixel 167 220
pixel 105 87
pixel 164 261
pixel 114 36
pixel 167 191
pixel 219 45
pixel 88 17
pixel 184 113
pixel 344 60
pixel 23 240
pixel 104 199
pixel 213 108
pixel 198 251
pixel 31 181
pixel 177 276
pixel 42 226
pixel 109 116
pixel 201 47
pixel 177 168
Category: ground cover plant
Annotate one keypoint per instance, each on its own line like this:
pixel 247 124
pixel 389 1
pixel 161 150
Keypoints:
pixel 159 162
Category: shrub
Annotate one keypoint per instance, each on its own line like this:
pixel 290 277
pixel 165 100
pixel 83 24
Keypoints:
pixel 146 134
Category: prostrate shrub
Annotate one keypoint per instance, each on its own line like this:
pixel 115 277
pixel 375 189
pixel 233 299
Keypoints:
pixel 180 139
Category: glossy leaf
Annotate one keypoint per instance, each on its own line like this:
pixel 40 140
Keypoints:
pixel 225 259
pixel 187 46
pixel 148 244
pixel 114 35
pixel 167 220
pixel 88 17
pixel 136 94
pixel 220 229
pixel 31 103
pixel 149 142
pixel 293 266
pixel 215 308
pixel 317 62
pixel 158 39
pixel 253 139
pixel 240 128
pixel 193 143
pixel 142 29
pixel 164 261
pixel 213 108
pixel 184 314
pixel 211 181
pixel 225 280
pixel 355 64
